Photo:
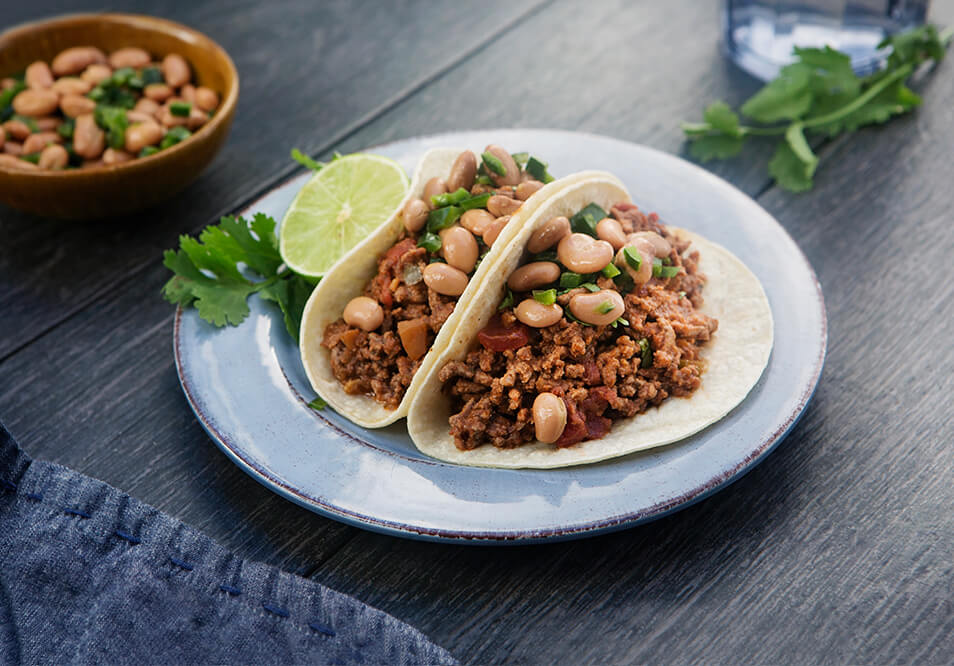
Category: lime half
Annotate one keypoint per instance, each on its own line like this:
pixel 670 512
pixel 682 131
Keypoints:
pixel 337 209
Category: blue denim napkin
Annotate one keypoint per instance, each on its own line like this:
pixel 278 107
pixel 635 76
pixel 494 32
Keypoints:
pixel 90 575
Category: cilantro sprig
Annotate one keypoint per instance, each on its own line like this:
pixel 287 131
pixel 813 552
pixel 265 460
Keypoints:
pixel 817 95
pixel 212 273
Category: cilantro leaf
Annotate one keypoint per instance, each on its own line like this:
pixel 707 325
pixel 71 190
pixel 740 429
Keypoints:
pixel 833 72
pixel 716 146
pixel 306 161
pixel 789 170
pixel 318 403
pixel 210 273
pixel 722 118
pixel 787 97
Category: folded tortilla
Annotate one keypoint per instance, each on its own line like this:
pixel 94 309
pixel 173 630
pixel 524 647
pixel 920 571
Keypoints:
pixel 736 355
pixel 350 274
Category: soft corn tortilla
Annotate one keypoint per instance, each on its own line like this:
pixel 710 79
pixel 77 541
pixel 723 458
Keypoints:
pixel 737 354
pixel 350 274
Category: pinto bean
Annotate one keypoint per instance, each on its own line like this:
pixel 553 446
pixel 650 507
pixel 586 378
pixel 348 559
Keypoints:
pixel 599 308
pixel 197 118
pixel 641 275
pixel 533 275
pixel 6 83
pixel 139 117
pixel 500 205
pixel 129 57
pixel 13 148
pixel 527 189
pixel 537 315
pixel 611 231
pixel 432 188
pixel 54 156
pixel 445 279
pixel 415 215
pixel 143 134
pixel 459 248
pixel 476 221
pixel 661 247
pixel 37 142
pixel 96 74
pixel 511 175
pixel 492 231
pixel 364 313
pixel 146 105
pixel 47 124
pixel 168 119
pixel 12 161
pixel 16 129
pixel 584 254
pixel 463 173
pixel 36 102
pixel 88 140
pixel 38 75
pixel 175 70
pixel 113 156
pixel 157 92
pixel 75 59
pixel 71 85
pixel 549 417
pixel 548 235
pixel 206 98
pixel 413 334
pixel 76 105
pixel 3 136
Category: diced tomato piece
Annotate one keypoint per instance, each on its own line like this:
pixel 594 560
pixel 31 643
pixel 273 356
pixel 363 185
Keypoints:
pixel 497 337
pixel 413 334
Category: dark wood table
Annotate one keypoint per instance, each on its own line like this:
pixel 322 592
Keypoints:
pixel 838 548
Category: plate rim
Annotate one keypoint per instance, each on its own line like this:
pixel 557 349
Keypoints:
pixel 497 537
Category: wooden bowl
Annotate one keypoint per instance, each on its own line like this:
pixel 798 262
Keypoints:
pixel 122 188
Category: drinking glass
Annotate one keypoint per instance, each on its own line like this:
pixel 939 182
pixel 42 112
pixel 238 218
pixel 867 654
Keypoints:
pixel 760 34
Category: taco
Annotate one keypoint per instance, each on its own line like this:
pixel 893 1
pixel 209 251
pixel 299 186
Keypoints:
pixel 601 331
pixel 376 319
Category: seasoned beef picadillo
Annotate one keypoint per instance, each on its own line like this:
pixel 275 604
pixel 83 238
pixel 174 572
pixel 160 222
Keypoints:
pixel 600 372
pixel 380 340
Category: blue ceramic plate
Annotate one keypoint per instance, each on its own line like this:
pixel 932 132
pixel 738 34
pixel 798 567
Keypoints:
pixel 249 390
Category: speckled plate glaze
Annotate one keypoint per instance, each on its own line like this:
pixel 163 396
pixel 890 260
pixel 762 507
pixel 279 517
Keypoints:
pixel 249 390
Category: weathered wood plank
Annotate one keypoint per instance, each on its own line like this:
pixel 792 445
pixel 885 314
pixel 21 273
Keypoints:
pixel 309 72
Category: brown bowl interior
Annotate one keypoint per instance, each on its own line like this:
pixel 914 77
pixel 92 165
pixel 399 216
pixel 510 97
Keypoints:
pixel 118 189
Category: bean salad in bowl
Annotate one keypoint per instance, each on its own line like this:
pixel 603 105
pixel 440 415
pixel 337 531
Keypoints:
pixel 86 108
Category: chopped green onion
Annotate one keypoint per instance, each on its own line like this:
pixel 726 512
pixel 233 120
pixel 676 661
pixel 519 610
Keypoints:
pixel 624 283
pixel 28 121
pixel 122 75
pixel 538 170
pixel 570 280
pixel 545 296
pixel 646 355
pixel 33 158
pixel 479 201
pixel 604 307
pixel 682 294
pixel 506 302
pixel 620 320
pixel 668 271
pixel 6 97
pixel 429 241
pixel 442 218
pixel 65 128
pixel 632 256
pixel 589 286
pixel 150 75
pixel 494 164
pixel 436 260
pixel 484 180
pixel 174 136
pixel 306 161
pixel 113 120
pixel 584 222
pixel 318 403
pixel 520 159
pixel 181 109
pixel 450 198
pixel 147 151
pixel 569 315
pixel 666 261
pixel 549 255
pixel 610 271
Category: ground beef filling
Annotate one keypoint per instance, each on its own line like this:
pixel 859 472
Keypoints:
pixel 596 370
pixel 375 363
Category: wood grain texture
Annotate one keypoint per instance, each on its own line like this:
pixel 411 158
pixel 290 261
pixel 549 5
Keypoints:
pixel 838 549
pixel 310 72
